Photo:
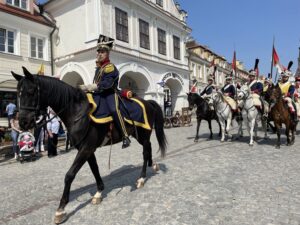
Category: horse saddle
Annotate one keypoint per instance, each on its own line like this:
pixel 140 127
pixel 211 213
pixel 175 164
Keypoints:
pixel 132 110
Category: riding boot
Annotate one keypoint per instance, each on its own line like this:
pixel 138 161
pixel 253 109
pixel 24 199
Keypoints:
pixel 126 142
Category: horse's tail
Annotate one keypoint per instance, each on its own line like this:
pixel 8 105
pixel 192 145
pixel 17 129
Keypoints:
pixel 159 128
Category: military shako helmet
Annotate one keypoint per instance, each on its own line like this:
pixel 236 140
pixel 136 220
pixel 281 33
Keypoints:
pixel 252 72
pixel 104 43
pixel 287 72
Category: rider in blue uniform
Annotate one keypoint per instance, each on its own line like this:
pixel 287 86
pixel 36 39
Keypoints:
pixel 207 92
pixel 105 84
pixel 229 93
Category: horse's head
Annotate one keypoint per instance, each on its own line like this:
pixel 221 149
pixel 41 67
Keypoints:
pixel 192 99
pixel 274 94
pixel 243 93
pixel 217 97
pixel 30 107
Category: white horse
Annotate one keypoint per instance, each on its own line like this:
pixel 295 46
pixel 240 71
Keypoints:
pixel 223 112
pixel 250 113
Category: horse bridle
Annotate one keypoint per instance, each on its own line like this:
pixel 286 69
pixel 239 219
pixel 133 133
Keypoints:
pixel 37 108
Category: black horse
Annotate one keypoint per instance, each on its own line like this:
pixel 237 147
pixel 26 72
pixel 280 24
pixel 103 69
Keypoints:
pixel 203 113
pixel 35 93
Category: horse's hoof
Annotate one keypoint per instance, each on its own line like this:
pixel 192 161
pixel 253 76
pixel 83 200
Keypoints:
pixel 222 141
pixel 251 145
pixel 196 140
pixel 155 167
pixel 97 198
pixel 140 183
pixel 277 146
pixel 96 201
pixel 60 217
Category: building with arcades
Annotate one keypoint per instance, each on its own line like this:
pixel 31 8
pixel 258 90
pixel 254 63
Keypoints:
pixel 149 49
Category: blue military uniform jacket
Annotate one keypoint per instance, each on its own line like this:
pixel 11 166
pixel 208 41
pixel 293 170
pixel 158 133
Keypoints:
pixel 207 90
pixel 107 77
pixel 229 89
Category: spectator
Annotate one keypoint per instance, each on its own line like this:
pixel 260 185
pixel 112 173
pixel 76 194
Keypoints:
pixel 10 108
pixel 14 122
pixel 52 130
pixel 39 133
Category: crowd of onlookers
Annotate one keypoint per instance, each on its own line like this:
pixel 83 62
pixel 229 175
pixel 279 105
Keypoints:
pixel 45 134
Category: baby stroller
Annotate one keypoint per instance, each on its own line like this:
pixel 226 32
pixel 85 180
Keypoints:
pixel 26 146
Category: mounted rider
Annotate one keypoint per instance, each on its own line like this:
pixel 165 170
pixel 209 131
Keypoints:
pixel 267 84
pixel 256 89
pixel 228 91
pixel 288 89
pixel 297 94
pixel 105 84
pixel 207 92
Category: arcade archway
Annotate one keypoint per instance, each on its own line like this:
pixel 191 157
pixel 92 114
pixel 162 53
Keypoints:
pixel 72 78
pixel 135 82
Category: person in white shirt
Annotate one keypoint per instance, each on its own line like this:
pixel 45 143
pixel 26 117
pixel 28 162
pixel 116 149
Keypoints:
pixel 52 130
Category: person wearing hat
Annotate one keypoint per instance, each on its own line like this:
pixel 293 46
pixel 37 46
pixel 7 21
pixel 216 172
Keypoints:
pixel 288 89
pixel 105 84
pixel 207 92
pixel 256 89
pixel 297 94
pixel 229 93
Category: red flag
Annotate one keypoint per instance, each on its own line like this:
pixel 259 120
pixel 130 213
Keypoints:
pixel 275 57
pixel 276 62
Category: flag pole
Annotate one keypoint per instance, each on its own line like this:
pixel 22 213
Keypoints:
pixel 272 58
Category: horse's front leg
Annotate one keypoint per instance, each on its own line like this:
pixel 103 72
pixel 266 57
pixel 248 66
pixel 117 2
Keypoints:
pixel 220 128
pixel 97 198
pixel 277 127
pixel 252 126
pixel 211 133
pixel 222 122
pixel 197 130
pixel 287 133
pixel 229 120
pixel 81 158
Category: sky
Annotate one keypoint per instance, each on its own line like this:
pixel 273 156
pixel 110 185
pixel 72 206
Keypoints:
pixel 248 27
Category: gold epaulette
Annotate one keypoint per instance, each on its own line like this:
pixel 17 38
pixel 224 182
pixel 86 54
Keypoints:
pixel 109 68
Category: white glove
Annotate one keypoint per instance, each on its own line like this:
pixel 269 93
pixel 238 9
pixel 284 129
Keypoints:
pixel 89 87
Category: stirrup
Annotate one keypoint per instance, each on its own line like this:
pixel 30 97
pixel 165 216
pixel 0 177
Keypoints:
pixel 126 142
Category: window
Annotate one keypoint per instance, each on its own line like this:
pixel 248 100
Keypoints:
pixel 160 2
pixel 144 34
pixel 37 47
pixel 18 3
pixel 7 41
pixel 176 44
pixel 200 72
pixel 161 41
pixel 121 25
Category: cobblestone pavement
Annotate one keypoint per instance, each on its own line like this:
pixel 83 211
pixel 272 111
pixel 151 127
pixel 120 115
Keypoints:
pixel 199 183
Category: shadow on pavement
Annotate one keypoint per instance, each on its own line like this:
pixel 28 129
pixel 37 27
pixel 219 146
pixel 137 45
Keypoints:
pixel 118 179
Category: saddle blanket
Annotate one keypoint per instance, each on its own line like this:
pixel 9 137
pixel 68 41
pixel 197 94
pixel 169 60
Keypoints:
pixel 134 106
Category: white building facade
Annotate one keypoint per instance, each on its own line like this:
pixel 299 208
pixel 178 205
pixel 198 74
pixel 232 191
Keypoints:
pixel 24 41
pixel 149 44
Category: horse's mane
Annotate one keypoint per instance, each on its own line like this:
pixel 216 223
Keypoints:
pixel 221 95
pixel 58 91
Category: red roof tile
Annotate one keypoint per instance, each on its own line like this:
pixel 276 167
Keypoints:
pixel 24 14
